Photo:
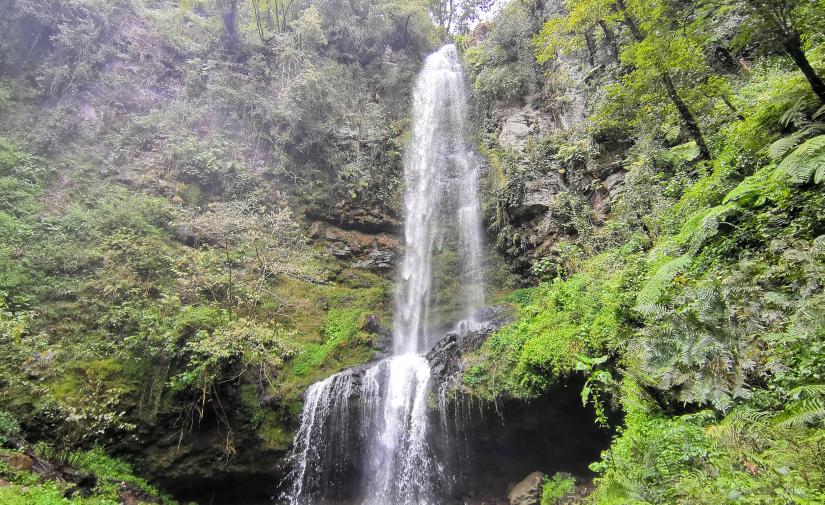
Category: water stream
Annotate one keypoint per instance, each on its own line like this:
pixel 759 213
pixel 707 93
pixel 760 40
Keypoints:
pixel 375 418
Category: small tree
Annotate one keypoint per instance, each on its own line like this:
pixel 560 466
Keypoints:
pixel 663 53
pixel 457 16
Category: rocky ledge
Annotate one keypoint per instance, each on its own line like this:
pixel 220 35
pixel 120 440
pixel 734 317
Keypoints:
pixel 446 356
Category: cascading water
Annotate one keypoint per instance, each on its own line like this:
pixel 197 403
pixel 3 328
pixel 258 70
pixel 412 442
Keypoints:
pixel 396 465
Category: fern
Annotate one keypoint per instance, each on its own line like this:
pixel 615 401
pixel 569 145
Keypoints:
pixel 703 225
pixel 818 247
pixel 807 408
pixel 808 412
pixel 741 423
pixel 749 192
pixel 783 146
pixel 707 346
pixel 795 114
pixel 805 161
pixel 808 391
pixel 651 292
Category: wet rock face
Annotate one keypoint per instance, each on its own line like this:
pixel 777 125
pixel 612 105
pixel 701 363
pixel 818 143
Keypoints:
pixel 383 341
pixel 201 462
pixel 366 220
pixel 488 447
pixel 539 192
pixel 378 259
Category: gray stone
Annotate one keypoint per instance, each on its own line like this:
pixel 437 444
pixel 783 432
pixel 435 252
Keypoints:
pixel 519 123
pixel 538 193
pixel 528 491
pixel 342 252
pixel 316 230
pixel 514 131
pixel 378 259
pixel 613 181
pixel 445 357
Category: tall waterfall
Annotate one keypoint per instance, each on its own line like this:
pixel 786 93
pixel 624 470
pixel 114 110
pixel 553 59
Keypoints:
pixel 388 441
pixel 440 179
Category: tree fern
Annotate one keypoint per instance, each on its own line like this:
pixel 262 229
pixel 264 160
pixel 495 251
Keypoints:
pixel 702 225
pixel 783 146
pixel 707 347
pixel 741 423
pixel 806 411
pixel 805 161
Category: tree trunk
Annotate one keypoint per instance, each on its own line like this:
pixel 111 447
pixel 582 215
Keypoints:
pixel 793 47
pixel 230 22
pixel 591 48
pixel 687 117
pixel 610 38
pixel 257 8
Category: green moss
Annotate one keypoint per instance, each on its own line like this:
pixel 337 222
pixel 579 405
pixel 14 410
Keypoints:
pixel 80 375
pixel 273 433
pixel 46 494
pixel 328 336
pixel 110 472
pixel 31 489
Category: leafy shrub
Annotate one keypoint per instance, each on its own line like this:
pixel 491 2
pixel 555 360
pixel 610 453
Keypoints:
pixel 646 462
pixel 556 487
pixel 8 427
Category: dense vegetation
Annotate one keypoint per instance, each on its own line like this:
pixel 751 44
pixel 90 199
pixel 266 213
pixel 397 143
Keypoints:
pixel 158 161
pixel 696 308
pixel 189 192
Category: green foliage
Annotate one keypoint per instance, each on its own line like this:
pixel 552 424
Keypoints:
pixel 111 477
pixel 47 494
pixel 153 259
pixel 647 461
pixel 599 384
pixel 720 300
pixel 339 328
pixel 709 349
pixel 230 350
pixel 668 76
pixel 556 488
pixel 806 409
pixel 559 325
pixel 653 289
pixel 805 162
pixel 502 67
pixel 110 473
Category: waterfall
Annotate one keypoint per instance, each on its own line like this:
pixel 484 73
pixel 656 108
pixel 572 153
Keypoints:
pixel 395 464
